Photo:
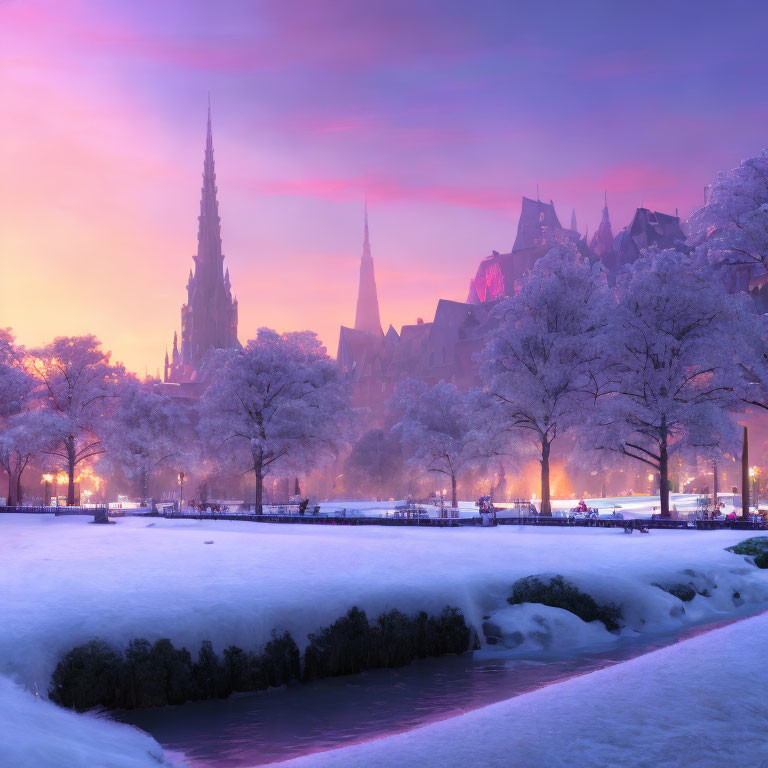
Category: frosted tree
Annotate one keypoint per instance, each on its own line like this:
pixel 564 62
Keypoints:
pixel 672 365
pixel 439 429
pixel 78 384
pixel 16 390
pixel 542 362
pixel 28 435
pixel 374 463
pixel 275 407
pixel 144 432
pixel 731 230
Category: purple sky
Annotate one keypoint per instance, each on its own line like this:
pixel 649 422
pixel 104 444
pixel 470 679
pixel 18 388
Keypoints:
pixel 444 112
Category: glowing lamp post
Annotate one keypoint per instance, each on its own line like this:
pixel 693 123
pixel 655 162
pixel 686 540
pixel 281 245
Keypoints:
pixel 47 479
pixel 650 480
pixel 181 489
pixel 754 477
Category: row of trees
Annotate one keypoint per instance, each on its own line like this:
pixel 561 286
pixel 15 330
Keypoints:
pixel 660 364
pixel 274 407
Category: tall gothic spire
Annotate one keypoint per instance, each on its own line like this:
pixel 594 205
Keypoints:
pixel 209 229
pixel 209 318
pixel 602 242
pixel 367 314
pixel 573 220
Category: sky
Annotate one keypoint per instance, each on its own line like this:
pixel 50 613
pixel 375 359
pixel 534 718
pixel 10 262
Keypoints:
pixel 443 113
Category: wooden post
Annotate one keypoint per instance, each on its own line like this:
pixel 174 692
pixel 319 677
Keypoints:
pixel 745 478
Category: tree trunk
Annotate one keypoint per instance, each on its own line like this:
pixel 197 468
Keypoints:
pixel 13 489
pixel 664 480
pixel 258 471
pixel 454 497
pixel 69 444
pixel 144 487
pixel 19 489
pixel 745 477
pixel 714 484
pixel 664 470
pixel 546 505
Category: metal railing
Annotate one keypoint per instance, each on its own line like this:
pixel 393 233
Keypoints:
pixel 32 510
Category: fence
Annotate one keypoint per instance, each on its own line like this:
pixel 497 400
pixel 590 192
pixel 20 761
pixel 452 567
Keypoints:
pixel 658 523
pixel 91 511
pixel 557 522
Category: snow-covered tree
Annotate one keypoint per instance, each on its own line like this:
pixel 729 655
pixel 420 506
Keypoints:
pixel 144 432
pixel 671 363
pixel 731 230
pixel 374 463
pixel 16 440
pixel 78 385
pixel 438 429
pixel 542 361
pixel 28 435
pixel 275 407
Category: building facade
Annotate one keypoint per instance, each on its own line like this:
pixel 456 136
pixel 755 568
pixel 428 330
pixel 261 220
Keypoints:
pixel 448 347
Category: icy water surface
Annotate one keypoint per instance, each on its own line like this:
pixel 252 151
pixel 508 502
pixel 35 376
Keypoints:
pixel 253 729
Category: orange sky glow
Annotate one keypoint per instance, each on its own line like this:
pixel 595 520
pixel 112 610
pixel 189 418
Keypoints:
pixel 103 109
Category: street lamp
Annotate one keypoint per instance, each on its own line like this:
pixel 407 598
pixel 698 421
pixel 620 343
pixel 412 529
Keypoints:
pixel 650 480
pixel 181 489
pixel 47 479
pixel 754 476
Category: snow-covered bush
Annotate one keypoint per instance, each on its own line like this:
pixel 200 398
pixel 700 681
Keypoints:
pixel 88 676
pixel 154 675
pixel 684 592
pixel 556 592
pixel 756 545
pixel 351 644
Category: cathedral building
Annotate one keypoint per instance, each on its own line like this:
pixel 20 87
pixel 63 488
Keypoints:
pixel 538 230
pixel 209 316
pixel 447 348
pixel 374 362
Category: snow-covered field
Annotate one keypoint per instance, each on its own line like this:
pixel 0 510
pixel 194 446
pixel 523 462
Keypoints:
pixel 698 704
pixel 64 581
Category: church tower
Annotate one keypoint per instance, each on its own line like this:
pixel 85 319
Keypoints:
pixel 367 314
pixel 209 317
pixel 602 244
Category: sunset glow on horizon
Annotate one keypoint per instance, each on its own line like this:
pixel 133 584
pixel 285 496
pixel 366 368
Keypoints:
pixel 443 119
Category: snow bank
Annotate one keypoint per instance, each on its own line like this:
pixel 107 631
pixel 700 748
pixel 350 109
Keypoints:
pixel 530 629
pixel 64 581
pixel 699 703
pixel 38 734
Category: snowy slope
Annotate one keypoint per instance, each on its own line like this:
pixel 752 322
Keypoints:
pixel 64 581
pixel 699 703
pixel 37 734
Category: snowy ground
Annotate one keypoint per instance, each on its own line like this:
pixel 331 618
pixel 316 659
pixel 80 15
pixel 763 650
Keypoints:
pixel 699 703
pixel 37 734
pixel 64 581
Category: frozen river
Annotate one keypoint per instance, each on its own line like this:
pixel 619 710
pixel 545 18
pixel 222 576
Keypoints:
pixel 254 729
